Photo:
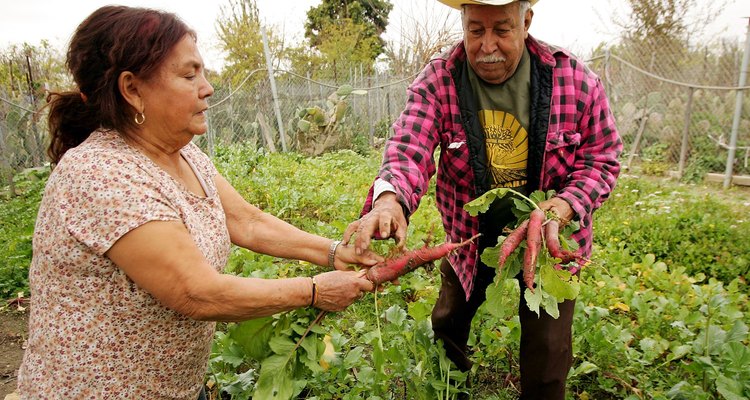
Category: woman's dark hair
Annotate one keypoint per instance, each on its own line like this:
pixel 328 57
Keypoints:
pixel 113 39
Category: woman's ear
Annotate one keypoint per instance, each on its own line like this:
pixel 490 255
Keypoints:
pixel 128 85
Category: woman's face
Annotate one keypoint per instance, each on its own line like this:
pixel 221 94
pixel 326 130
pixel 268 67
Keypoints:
pixel 494 39
pixel 175 99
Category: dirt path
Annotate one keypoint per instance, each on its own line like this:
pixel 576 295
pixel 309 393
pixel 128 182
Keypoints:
pixel 13 328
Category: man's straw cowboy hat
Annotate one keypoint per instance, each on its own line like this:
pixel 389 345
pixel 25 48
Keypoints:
pixel 458 3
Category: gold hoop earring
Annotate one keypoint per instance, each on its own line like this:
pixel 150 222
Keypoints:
pixel 140 118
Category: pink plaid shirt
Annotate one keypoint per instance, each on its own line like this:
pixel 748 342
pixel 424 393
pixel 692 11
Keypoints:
pixel 577 156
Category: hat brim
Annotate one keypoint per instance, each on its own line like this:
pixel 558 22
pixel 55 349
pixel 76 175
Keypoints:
pixel 458 3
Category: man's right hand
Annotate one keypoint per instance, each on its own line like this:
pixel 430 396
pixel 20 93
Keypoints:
pixel 385 220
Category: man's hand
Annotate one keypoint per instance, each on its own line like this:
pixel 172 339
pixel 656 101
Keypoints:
pixel 559 207
pixel 385 220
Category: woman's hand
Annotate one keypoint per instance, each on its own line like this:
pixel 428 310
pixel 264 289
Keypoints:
pixel 345 256
pixel 336 290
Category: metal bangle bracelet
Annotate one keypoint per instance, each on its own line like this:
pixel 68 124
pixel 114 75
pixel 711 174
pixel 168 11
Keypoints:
pixel 332 253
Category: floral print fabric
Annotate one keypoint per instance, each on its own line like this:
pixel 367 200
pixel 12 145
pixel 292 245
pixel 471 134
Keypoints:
pixel 93 333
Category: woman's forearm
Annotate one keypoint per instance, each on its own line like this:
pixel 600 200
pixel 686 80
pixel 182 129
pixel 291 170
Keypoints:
pixel 232 298
pixel 270 235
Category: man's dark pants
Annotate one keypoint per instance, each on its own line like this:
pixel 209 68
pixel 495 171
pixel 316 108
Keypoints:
pixel 546 344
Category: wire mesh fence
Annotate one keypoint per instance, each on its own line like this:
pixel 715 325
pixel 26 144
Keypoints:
pixel 675 111
pixel 253 115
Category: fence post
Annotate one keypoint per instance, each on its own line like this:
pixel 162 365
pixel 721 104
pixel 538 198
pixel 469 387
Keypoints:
pixel 737 110
pixel 369 112
pixel 276 107
pixel 685 132
pixel 309 88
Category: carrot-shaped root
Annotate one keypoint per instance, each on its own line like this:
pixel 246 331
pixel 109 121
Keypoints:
pixel 410 260
pixel 511 243
pixel 533 245
pixel 551 237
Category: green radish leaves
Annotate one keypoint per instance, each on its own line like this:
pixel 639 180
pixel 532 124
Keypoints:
pixel 553 283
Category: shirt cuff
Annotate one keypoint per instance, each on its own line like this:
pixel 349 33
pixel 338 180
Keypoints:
pixel 381 186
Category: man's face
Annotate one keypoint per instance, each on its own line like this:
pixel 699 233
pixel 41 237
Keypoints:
pixel 494 39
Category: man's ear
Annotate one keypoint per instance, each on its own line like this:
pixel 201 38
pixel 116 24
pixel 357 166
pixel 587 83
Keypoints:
pixel 128 85
pixel 527 20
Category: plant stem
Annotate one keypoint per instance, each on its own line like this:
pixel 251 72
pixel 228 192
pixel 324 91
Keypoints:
pixel 448 382
pixel 706 353
pixel 521 195
pixel 377 320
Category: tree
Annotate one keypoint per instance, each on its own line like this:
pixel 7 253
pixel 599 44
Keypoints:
pixel 666 22
pixel 239 32
pixel 361 24
pixel 420 38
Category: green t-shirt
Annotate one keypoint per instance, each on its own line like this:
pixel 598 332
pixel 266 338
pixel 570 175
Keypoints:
pixel 504 113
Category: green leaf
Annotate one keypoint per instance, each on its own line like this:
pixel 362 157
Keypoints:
pixel 395 315
pixel 275 381
pixel 729 388
pixel 559 283
pixel 233 355
pixel 585 368
pixel 281 345
pixel 253 336
pixel 522 206
pixel 737 354
pixel 549 303
pixel 678 352
pixel 538 196
pixel 653 347
pixel 533 300
pixel 310 345
pixel 242 384
pixel 491 255
pixel 738 332
pixel 482 203
pixel 354 357
pixel 495 300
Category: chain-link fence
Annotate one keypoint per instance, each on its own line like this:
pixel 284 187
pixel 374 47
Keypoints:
pixel 675 110
pixel 256 115
pixel 678 110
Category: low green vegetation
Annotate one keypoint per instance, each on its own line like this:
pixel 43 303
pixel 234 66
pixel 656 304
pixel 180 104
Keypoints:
pixel 662 311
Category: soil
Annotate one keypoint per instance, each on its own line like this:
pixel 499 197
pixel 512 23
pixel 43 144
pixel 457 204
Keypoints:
pixel 13 329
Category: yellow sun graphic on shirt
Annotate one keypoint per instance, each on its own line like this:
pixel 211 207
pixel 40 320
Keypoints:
pixel 507 148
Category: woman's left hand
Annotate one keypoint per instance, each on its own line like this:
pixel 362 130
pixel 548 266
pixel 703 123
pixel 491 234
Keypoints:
pixel 345 257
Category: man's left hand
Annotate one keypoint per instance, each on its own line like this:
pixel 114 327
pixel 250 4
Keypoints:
pixel 559 207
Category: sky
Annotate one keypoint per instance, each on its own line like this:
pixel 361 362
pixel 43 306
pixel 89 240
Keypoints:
pixel 578 25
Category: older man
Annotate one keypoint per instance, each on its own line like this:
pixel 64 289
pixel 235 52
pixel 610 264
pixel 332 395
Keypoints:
pixel 510 111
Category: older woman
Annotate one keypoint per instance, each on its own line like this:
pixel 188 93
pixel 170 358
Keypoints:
pixel 136 225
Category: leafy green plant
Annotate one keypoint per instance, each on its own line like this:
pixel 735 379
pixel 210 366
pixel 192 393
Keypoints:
pixel 553 285
pixel 18 213
pixel 682 225
pixel 669 325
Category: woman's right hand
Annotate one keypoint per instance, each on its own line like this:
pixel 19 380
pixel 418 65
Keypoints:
pixel 336 290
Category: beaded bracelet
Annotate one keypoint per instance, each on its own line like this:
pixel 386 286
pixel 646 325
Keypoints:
pixel 332 253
